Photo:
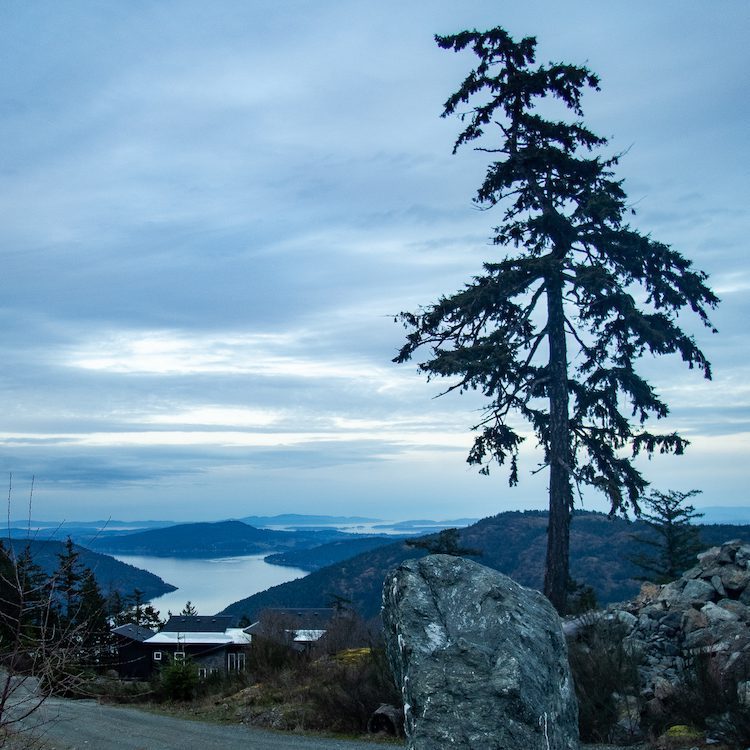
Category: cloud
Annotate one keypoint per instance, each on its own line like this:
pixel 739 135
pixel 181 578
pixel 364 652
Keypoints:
pixel 210 215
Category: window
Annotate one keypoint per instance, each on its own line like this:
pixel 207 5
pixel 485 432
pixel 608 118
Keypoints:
pixel 235 662
pixel 179 656
pixel 157 655
pixel 202 673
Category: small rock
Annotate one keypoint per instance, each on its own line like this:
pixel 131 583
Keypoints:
pixel 718 585
pixel 697 591
pixel 715 614
pixel 734 580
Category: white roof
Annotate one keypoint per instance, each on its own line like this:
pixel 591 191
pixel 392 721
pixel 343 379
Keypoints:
pixel 308 635
pixel 176 638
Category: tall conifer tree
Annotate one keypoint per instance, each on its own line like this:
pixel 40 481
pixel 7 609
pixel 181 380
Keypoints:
pixel 553 331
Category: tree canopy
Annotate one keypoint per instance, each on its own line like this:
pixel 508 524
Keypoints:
pixel 553 331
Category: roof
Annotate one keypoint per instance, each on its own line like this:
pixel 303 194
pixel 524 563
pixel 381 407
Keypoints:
pixel 186 638
pixel 134 632
pixel 309 618
pixel 308 636
pixel 199 623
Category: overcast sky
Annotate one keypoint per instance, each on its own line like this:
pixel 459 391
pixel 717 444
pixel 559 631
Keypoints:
pixel 211 212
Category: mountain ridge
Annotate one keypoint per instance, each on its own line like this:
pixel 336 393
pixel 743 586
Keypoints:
pixel 513 542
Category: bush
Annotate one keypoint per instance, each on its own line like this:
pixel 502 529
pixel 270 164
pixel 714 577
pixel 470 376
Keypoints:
pixel 704 700
pixel 344 691
pixel 178 681
pixel 605 673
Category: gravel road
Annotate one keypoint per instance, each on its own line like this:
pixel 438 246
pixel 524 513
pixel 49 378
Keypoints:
pixel 86 725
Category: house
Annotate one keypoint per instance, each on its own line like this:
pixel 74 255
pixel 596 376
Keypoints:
pixel 299 628
pixel 213 643
pixel 132 658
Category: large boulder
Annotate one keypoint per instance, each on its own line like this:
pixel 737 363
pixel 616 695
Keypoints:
pixel 481 661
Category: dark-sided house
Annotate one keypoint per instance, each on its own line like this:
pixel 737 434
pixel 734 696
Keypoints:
pixel 213 643
pixel 299 628
pixel 132 657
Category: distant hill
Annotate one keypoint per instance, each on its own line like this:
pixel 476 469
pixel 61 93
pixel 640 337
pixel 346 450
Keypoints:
pixel 513 543
pixel 111 575
pixel 425 524
pixel 296 519
pixel 328 554
pixel 222 539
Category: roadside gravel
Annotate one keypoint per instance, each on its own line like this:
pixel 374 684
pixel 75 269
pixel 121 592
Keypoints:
pixel 86 725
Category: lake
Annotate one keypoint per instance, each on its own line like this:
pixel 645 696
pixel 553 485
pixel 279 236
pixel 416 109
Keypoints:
pixel 214 584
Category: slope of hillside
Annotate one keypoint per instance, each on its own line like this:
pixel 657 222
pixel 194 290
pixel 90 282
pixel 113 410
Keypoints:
pixel 111 575
pixel 316 558
pixel 513 543
pixel 221 539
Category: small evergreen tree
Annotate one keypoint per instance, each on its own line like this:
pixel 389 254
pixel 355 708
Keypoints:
pixel 139 613
pixel 189 610
pixel 445 542
pixel 67 581
pixel 674 541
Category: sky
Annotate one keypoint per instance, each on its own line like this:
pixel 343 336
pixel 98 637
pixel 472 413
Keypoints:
pixel 211 212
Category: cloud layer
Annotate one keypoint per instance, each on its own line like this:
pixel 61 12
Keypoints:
pixel 211 213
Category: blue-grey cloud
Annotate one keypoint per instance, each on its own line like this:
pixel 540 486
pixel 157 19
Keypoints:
pixel 210 214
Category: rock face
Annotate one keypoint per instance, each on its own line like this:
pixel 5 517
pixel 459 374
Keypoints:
pixel 704 614
pixel 482 661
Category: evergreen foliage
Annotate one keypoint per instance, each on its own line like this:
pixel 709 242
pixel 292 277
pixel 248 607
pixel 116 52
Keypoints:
pixel 445 542
pixel 137 612
pixel 189 610
pixel 553 331
pixel 674 541
pixel 67 581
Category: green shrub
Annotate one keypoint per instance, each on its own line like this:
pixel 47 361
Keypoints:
pixel 178 680
pixel 605 673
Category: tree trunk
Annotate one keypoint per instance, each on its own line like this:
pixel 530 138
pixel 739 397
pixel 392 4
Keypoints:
pixel 559 452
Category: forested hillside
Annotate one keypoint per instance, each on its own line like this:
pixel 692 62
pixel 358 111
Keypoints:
pixel 513 543
pixel 111 575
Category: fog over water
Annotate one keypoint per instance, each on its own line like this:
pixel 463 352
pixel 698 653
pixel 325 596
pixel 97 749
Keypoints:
pixel 211 585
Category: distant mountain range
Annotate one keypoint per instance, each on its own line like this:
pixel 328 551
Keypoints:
pixel 513 543
pixel 111 575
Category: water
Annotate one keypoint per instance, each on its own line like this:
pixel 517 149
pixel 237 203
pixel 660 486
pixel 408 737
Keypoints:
pixel 211 585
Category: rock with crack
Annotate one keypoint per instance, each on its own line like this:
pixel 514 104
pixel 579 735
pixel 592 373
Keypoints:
pixel 481 661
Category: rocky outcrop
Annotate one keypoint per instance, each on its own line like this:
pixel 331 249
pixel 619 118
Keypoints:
pixel 701 618
pixel 482 661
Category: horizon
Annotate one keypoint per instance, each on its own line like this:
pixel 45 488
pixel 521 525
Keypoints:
pixel 211 215
pixel 740 511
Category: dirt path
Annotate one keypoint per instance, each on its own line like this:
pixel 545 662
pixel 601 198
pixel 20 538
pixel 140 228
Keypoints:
pixel 86 725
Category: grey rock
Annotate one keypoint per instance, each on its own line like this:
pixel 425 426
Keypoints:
pixel 718 585
pixel 627 619
pixel 481 661
pixel 715 614
pixel 697 591
pixel 742 557
pixel 734 579
pixel 709 557
pixel 741 610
